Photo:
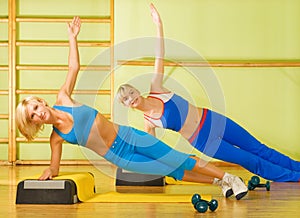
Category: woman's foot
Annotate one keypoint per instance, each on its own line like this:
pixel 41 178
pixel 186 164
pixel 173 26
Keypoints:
pixel 236 183
pixel 226 188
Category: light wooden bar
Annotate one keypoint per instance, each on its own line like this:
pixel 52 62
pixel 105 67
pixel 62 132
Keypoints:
pixel 3 43
pixel 50 92
pixel 61 67
pixel 12 81
pixel 5 163
pixel 3 140
pixel 63 43
pixel 105 19
pixel 37 139
pixel 3 92
pixel 3 68
pixel 213 63
pixel 4 116
pixel 3 20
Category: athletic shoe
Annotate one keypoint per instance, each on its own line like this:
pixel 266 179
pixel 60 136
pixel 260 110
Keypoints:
pixel 226 188
pixel 238 186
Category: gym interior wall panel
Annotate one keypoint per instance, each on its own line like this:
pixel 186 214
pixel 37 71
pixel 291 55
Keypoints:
pixel 51 55
pixel 57 31
pixel 3 31
pixel 42 31
pixel 266 102
pixel 3 56
pixel 4 7
pixel 38 79
pixel 3 151
pixel 222 30
pixel 43 55
pixel 93 80
pixel 4 128
pixel 3 106
pixel 102 103
pixel 95 31
pixel 3 81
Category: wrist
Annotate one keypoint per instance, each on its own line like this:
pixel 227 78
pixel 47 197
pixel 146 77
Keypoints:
pixel 72 37
pixel 54 171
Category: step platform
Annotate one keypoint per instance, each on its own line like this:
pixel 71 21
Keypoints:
pixel 46 192
pixel 67 188
pixel 128 178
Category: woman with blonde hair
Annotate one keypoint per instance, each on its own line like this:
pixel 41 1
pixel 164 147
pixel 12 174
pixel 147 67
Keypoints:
pixel 209 132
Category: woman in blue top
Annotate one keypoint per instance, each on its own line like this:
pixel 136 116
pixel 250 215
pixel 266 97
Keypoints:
pixel 123 146
pixel 211 133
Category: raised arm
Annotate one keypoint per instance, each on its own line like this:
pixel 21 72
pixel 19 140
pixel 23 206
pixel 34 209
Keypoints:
pixel 64 95
pixel 157 79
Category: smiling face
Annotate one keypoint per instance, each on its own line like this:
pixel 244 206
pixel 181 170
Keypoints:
pixel 38 112
pixel 31 115
pixel 131 97
pixel 128 96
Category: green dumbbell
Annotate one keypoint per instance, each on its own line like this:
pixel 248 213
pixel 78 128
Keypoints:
pixel 255 182
pixel 202 205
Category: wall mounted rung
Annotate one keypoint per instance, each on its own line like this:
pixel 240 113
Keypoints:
pixel 3 140
pixel 61 67
pixel 213 63
pixel 105 19
pixel 3 20
pixel 3 92
pixel 4 116
pixel 4 68
pixel 3 43
pixel 46 91
pixel 63 43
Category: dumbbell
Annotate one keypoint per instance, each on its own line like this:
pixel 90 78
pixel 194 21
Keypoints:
pixel 202 205
pixel 255 182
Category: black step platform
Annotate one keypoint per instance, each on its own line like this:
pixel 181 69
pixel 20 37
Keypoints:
pixel 128 178
pixel 46 192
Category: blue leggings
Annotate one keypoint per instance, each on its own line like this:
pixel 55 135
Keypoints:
pixel 223 139
pixel 140 152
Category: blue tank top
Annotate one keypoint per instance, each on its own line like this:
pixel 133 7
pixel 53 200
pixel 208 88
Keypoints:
pixel 83 118
pixel 174 112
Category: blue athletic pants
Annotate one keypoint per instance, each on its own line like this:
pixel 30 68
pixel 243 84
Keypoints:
pixel 223 139
pixel 140 152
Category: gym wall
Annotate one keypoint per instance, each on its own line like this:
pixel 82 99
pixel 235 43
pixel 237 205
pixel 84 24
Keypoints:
pixel 264 100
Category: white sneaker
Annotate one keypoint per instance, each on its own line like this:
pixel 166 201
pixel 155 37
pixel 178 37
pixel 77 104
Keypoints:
pixel 226 188
pixel 238 186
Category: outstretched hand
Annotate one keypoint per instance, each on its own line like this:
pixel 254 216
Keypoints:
pixel 74 27
pixel 47 174
pixel 155 15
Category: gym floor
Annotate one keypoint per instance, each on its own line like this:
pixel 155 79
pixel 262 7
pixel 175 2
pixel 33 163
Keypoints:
pixel 282 200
